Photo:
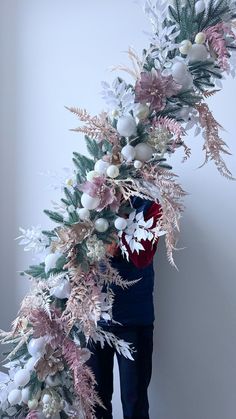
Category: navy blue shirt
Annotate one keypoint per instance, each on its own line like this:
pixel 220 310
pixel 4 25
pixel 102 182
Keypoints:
pixel 133 305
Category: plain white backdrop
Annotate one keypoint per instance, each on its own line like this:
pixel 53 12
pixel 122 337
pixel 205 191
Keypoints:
pixel 55 53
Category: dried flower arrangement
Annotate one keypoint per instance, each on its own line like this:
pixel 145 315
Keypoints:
pixel 191 47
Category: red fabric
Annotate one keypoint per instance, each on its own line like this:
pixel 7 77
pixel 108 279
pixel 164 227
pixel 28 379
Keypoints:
pixel 144 257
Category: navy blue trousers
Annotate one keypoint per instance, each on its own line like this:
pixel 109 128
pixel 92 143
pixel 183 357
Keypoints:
pixel 135 375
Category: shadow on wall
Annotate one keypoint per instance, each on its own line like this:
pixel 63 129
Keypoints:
pixel 195 331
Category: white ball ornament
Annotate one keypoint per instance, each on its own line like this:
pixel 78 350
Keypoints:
pixel 62 291
pixel 198 52
pixel 36 347
pixel 113 171
pixel 31 363
pixel 185 46
pixel 120 223
pixel 101 166
pixel 14 397
pixel 143 152
pixel 90 175
pixel 25 393
pixel 101 225
pixel 128 152
pixel 179 71
pixel 22 377
pixel 84 214
pixel 187 83
pixel 51 261
pixel 89 202
pixel 126 126
pixel 200 6
pixel 138 164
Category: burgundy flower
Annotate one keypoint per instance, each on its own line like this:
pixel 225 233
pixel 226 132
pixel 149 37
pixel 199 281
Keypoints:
pixel 154 88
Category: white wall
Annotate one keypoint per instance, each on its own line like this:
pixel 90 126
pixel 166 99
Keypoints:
pixel 55 53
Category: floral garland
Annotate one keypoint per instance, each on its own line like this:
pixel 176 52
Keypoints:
pixel 191 48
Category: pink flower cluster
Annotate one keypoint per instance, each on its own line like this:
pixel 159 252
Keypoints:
pixel 98 187
pixel 154 88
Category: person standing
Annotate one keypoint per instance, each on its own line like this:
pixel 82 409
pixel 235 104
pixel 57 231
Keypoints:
pixel 134 309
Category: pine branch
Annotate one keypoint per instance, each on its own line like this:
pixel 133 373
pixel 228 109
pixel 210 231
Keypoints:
pixel 93 148
pixel 54 216
pixel 71 197
pixel 37 271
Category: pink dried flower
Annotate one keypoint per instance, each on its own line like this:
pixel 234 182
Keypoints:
pixel 33 414
pixel 216 38
pixel 154 88
pixel 99 188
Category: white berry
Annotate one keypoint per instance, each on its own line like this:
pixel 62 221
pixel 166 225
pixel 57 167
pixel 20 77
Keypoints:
pixel 138 164
pixel 113 171
pixel 33 404
pixel 200 38
pixel 141 111
pixel 120 223
pixel 185 46
pixel 101 225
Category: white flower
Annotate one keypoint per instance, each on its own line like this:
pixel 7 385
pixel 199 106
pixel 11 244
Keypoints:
pixel 60 181
pixel 162 37
pixel 33 239
pixel 96 249
pixel 138 229
pixel 119 97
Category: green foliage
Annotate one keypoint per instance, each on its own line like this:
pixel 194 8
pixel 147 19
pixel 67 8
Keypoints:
pixel 72 197
pixel 203 73
pixel 83 164
pixel 107 146
pixel 94 148
pixel 186 98
pixel 73 219
pixel 36 271
pixel 49 234
pixel 185 17
pixel 191 23
pixel 213 14
pixel 54 216
pixel 108 237
pixel 81 256
pixel 126 171
pixel 34 385
pixel 61 261
pixel 21 352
